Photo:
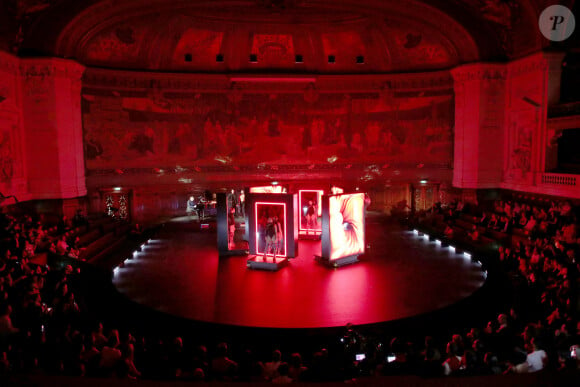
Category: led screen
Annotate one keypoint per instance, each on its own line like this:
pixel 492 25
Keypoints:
pixel 346 225
pixel 268 189
pixel 310 205
pixel 336 190
pixel 271 228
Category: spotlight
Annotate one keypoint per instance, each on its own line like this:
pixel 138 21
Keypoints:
pixel 253 58
pixel 117 189
pixel 331 59
pixel 452 248
pixel 437 241
pixel 467 254
pixel 424 181
pixel 416 232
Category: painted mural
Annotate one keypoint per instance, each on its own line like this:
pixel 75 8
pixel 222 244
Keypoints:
pixel 235 129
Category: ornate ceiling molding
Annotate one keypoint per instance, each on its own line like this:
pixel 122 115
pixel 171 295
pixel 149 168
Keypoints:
pixel 323 15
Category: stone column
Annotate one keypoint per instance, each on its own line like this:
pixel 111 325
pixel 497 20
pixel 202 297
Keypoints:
pixel 479 117
pixel 53 128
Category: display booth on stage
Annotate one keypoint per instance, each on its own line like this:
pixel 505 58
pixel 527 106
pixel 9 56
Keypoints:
pixel 272 226
pixel 231 235
pixel 343 228
pixel 310 213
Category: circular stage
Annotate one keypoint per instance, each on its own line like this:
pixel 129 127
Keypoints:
pixel 401 275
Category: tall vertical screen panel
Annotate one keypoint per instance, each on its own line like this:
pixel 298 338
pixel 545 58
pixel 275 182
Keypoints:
pixel 343 225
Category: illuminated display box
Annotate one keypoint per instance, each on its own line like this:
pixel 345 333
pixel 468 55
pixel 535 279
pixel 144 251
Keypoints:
pixel 231 238
pixel 273 229
pixel 310 212
pixel 343 228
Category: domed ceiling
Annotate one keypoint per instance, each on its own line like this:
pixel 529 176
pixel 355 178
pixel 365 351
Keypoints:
pixel 302 36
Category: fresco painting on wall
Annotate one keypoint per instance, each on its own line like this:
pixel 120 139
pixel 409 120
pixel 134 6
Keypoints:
pixel 520 158
pixel 212 129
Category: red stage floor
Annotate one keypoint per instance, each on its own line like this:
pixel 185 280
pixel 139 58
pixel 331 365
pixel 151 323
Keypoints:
pixel 401 275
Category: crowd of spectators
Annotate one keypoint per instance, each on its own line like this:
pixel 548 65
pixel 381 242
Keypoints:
pixel 539 250
pixel 44 328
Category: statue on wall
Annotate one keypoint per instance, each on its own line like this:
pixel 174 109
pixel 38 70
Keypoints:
pixel 6 159
pixel 521 154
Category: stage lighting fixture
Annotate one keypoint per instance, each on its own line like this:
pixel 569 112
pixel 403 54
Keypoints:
pixel 299 59
pixel 424 181
pixel 188 57
pixel 219 58
pixel 467 254
pixel 360 59
pixel 331 59
pixel 253 58
pixel 117 189
pixel 274 183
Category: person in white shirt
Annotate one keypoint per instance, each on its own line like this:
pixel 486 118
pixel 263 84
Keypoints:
pixel 537 358
pixel 271 368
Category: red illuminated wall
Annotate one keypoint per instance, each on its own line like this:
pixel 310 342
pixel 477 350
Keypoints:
pixel 280 123
pixel 41 152
pixel 12 160
pixel 501 140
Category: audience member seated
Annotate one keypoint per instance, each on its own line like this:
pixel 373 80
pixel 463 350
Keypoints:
pixel 448 231
pixel 473 234
pixel 222 368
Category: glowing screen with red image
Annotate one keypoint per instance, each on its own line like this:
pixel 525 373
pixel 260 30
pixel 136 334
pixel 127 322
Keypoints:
pixel 347 225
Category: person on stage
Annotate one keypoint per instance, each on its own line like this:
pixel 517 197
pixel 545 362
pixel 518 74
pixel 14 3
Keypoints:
pixel 200 208
pixel 270 236
pixel 232 200
pixel 311 216
pixel 279 236
pixel 190 209
pixel 231 228
pixel 242 204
